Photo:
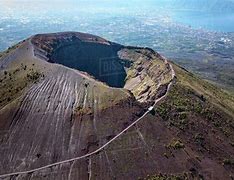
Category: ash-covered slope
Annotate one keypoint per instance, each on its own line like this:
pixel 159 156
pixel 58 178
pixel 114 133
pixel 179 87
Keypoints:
pixel 75 106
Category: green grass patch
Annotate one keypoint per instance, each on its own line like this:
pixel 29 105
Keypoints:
pixel 13 81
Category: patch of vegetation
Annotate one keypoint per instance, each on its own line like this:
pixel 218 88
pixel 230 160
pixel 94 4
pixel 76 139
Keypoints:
pixel 215 95
pixel 34 76
pixel 199 139
pixel 183 105
pixel 179 106
pixel 200 113
pixel 176 144
pixel 13 81
pixel 228 162
pixel 24 67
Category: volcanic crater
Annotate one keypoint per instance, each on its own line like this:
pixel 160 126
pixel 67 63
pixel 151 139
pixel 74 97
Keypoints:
pixel 140 70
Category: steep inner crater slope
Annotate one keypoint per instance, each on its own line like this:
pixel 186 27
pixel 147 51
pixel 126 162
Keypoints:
pixel 93 55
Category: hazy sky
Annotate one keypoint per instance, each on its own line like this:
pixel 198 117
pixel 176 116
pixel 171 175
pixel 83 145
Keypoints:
pixel 22 18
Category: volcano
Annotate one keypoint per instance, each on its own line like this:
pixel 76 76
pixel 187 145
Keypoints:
pixel 77 106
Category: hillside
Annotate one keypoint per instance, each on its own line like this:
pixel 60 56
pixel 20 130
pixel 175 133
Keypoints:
pixel 76 106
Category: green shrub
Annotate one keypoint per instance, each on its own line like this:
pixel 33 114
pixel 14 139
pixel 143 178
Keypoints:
pixel 229 162
pixel 176 144
pixel 33 76
pixel 199 139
